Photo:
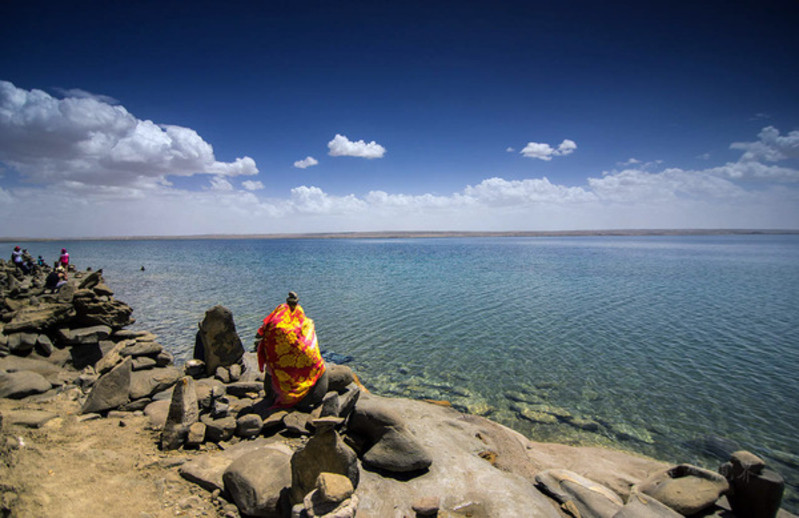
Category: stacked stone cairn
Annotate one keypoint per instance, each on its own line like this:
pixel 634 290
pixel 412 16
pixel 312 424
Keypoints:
pixel 280 463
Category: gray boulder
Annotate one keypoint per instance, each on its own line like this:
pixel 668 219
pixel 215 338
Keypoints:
pixel 339 376
pixel 569 489
pixel 222 374
pixel 249 425
pixel 21 343
pixel 147 382
pixel 17 385
pixel 194 368
pixel 348 399
pixel 141 363
pixel 110 391
pixel 164 359
pixel 85 335
pixel 183 412
pixel 206 471
pixel 44 345
pixel 235 372
pixel 390 445
pixel 112 358
pixel 142 349
pixel 333 496
pixel 157 412
pixel 208 389
pixel 297 422
pixel 685 488
pixel 325 452
pixel 259 482
pixel 217 430
pixel 217 342
pixel 196 435
pixel 243 388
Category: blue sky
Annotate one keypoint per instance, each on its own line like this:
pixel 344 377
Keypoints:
pixel 143 118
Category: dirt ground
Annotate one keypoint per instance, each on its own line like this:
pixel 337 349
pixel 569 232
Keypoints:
pixel 108 467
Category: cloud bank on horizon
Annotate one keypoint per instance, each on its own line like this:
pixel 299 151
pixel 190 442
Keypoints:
pixel 83 165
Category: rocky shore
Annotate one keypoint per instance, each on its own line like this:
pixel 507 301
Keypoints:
pixel 96 419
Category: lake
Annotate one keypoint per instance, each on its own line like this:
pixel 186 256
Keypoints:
pixel 678 347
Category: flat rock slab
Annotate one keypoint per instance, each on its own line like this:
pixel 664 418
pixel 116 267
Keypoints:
pixel 28 418
pixel 643 506
pixel 142 349
pixel 592 500
pixel 17 385
pixel 18 363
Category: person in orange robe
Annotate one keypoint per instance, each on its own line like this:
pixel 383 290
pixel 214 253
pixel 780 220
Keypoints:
pixel 288 349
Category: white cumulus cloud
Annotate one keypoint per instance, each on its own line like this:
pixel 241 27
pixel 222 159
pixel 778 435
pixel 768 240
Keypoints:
pixel 544 151
pixel 252 185
pixel 314 200
pixel 342 146
pixel 89 141
pixel 79 93
pixel 306 162
pixel 219 183
pixel 771 146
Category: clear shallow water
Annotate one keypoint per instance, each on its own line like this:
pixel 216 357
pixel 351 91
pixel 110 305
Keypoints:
pixel 660 345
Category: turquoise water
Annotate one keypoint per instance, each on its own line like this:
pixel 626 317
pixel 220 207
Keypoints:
pixel 669 346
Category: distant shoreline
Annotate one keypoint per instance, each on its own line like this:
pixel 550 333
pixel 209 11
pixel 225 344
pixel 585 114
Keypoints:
pixel 427 234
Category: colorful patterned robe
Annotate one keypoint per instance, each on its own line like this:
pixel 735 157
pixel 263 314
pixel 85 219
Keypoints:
pixel 290 352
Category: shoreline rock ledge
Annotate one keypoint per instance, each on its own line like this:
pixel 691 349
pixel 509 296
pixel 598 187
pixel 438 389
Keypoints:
pixel 68 365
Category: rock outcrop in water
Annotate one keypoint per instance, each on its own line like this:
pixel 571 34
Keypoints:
pixel 355 453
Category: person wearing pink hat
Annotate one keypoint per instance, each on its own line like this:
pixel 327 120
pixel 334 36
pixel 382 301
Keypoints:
pixel 64 259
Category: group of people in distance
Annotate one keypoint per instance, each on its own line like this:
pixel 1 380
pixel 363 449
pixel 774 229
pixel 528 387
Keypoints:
pixel 57 277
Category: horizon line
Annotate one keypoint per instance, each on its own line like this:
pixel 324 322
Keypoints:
pixel 399 234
